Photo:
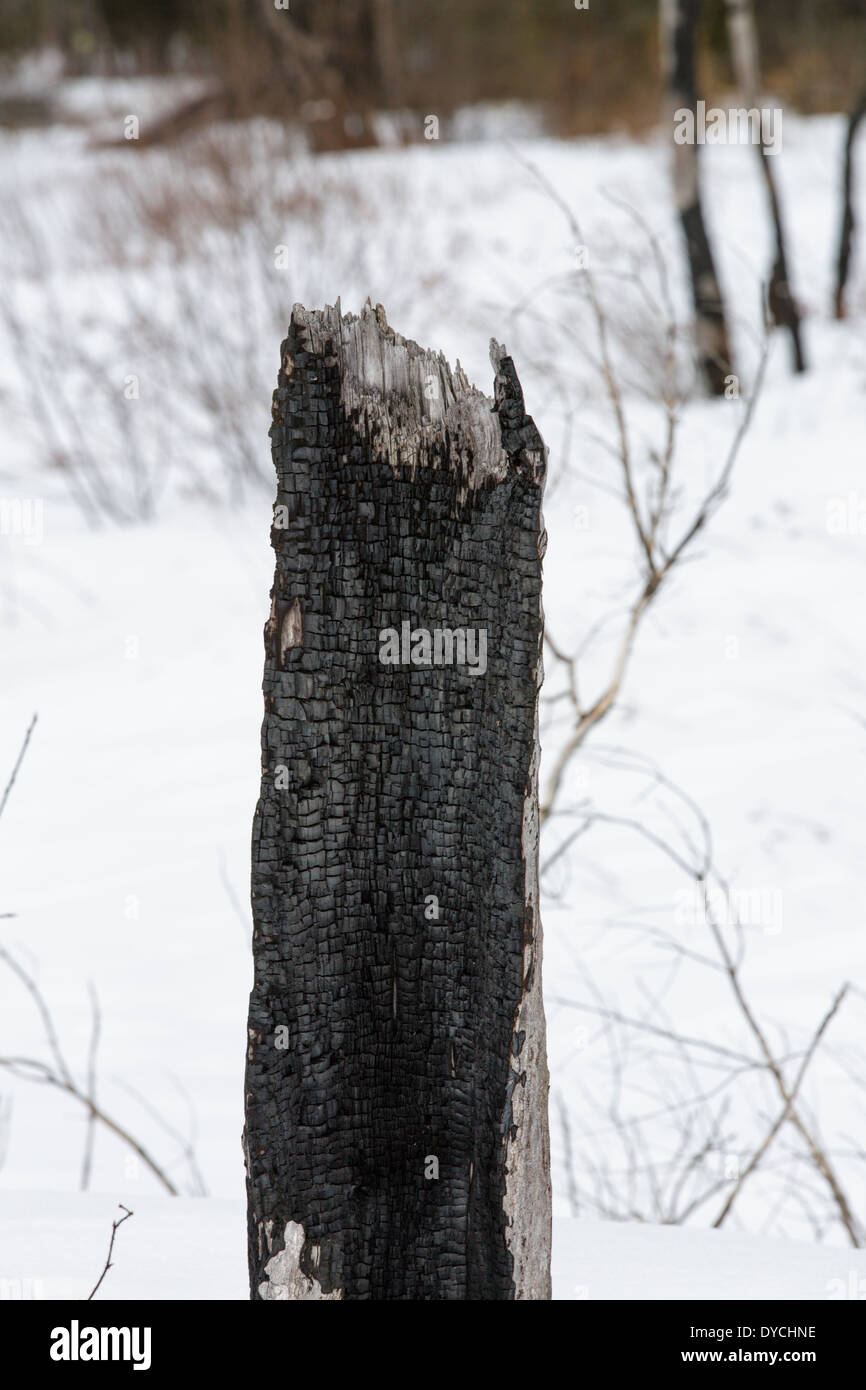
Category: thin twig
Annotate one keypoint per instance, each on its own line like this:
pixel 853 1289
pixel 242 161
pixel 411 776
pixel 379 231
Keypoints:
pixel 19 761
pixel 115 1226
pixel 96 1028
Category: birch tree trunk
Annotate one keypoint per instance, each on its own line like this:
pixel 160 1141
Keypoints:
pixel 846 233
pixel 396 1132
pixel 678 19
pixel 743 38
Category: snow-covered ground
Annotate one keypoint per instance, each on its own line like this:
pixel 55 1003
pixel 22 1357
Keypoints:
pixel 56 1243
pixel 124 846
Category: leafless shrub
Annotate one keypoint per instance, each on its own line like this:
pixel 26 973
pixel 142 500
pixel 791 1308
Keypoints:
pixel 673 1125
pixel 142 305
pixel 58 1074
pixel 665 519
pixel 681 1119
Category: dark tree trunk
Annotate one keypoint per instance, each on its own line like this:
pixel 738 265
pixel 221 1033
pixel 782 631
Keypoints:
pixel 743 36
pixel 396 1090
pixel 678 21
pixel 846 233
pixel 782 304
pixel 388 52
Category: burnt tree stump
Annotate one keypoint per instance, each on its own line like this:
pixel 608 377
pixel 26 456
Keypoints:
pixel 396 1135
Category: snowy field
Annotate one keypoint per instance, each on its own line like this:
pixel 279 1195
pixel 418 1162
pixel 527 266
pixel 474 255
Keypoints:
pixel 57 1242
pixel 124 847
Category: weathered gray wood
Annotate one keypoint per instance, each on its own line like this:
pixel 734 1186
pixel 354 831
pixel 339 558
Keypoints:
pixel 396 1092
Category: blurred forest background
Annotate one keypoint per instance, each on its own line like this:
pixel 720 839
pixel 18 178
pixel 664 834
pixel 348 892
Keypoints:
pixel 404 54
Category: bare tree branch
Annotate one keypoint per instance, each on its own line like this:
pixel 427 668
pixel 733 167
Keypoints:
pixel 19 760
pixel 87 1160
pixel 785 1114
pixel 60 1076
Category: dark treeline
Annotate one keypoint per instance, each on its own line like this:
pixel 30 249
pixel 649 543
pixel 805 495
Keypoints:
pixel 593 68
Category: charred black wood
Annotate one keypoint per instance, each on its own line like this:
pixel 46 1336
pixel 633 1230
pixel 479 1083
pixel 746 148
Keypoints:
pixel 396 1088
pixel 846 233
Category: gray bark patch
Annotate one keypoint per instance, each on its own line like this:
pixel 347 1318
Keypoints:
pixel 285 1279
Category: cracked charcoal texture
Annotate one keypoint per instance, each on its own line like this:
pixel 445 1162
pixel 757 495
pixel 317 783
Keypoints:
pixel 408 496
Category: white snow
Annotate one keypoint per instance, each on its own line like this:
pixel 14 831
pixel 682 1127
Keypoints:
pixel 56 1244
